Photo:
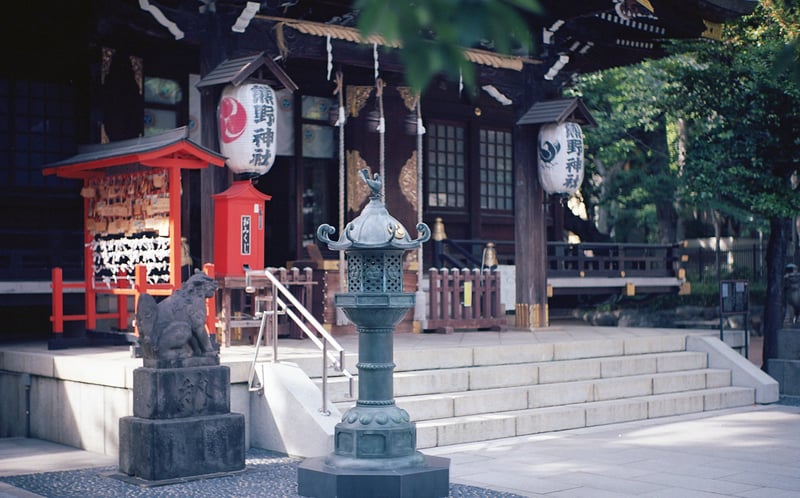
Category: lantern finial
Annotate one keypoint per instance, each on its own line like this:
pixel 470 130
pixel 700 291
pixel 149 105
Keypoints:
pixel 374 228
pixel 373 183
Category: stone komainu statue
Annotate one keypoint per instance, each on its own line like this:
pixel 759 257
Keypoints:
pixel 791 298
pixel 174 329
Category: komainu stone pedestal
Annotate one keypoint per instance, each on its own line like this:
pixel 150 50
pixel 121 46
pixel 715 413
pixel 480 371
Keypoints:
pixel 786 367
pixel 181 425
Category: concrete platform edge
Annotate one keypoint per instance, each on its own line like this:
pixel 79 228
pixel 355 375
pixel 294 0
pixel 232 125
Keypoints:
pixel 743 372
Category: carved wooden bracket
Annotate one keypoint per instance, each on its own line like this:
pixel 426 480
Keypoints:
pixel 357 97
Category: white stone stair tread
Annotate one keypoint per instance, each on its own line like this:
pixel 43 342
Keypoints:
pixel 481 427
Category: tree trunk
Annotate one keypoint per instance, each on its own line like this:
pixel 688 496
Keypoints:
pixel 682 140
pixel 664 196
pixel 717 233
pixel 667 218
pixel 780 228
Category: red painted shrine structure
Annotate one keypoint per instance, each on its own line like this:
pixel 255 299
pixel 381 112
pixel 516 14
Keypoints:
pixel 132 221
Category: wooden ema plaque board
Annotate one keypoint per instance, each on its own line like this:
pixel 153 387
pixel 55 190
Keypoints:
pixel 132 212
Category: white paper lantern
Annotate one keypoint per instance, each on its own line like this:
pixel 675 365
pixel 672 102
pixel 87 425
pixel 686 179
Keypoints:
pixel 561 158
pixel 247 127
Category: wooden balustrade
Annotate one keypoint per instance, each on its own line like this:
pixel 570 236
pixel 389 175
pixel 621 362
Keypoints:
pixel 241 310
pixel 464 299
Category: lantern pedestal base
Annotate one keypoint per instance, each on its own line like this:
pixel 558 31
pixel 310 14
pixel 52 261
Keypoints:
pixel 375 438
pixel 316 478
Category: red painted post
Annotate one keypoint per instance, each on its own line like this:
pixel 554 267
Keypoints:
pixel 466 288
pixel 211 304
pixel 499 309
pixel 484 296
pixel 122 304
pixel 90 295
pixel 139 288
pixel 58 300
pixel 434 291
pixel 446 294
pixel 174 228
pixel 475 277
pixel 493 298
pixel 457 296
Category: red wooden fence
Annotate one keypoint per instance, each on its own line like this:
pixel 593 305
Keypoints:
pixel 464 299
pixel 90 315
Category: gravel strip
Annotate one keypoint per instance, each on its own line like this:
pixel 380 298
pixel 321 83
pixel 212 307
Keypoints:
pixel 268 475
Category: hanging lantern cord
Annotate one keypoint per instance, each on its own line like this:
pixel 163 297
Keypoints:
pixel 420 132
pixel 339 91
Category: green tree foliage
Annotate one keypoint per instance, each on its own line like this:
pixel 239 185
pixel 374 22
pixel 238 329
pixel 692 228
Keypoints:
pixel 745 119
pixel 786 13
pixel 434 33
pixel 631 175
pixel 738 103
pixel 742 100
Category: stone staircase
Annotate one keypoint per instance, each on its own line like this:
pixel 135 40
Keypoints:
pixel 464 394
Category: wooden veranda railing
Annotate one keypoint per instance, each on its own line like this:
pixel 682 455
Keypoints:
pixel 243 298
pixel 124 291
pixel 464 299
pixel 585 259
pixel 612 260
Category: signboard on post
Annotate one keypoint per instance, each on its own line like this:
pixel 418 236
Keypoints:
pixel 734 299
pixel 245 231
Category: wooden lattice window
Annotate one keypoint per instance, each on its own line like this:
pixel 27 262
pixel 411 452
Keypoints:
pixel 37 127
pixel 497 170
pixel 446 166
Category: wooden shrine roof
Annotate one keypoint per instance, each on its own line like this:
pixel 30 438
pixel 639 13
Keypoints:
pixel 236 71
pixel 558 111
pixel 351 34
pixel 171 149
pixel 594 34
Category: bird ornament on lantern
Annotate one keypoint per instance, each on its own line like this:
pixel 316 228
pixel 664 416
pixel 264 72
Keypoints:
pixel 247 128
pixel 561 158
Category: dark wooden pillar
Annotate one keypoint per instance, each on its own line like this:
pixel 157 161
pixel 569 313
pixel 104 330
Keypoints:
pixel 530 233
pixel 212 180
pixel 530 223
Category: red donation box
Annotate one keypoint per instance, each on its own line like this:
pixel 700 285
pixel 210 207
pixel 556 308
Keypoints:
pixel 239 229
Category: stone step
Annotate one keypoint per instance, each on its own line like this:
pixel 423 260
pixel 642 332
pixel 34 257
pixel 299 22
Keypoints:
pixel 410 360
pixel 487 426
pixel 466 394
pixel 465 356
pixel 455 380
pixel 473 402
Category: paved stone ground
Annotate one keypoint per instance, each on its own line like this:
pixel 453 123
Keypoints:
pixel 268 475
pixel 272 475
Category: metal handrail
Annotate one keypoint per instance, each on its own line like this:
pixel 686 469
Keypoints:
pixel 280 307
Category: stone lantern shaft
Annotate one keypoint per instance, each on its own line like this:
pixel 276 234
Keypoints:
pixel 376 369
pixel 375 439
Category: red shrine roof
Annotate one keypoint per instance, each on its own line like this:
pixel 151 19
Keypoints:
pixel 171 149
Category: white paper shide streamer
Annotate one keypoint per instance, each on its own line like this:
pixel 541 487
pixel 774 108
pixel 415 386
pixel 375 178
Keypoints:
pixel 329 48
